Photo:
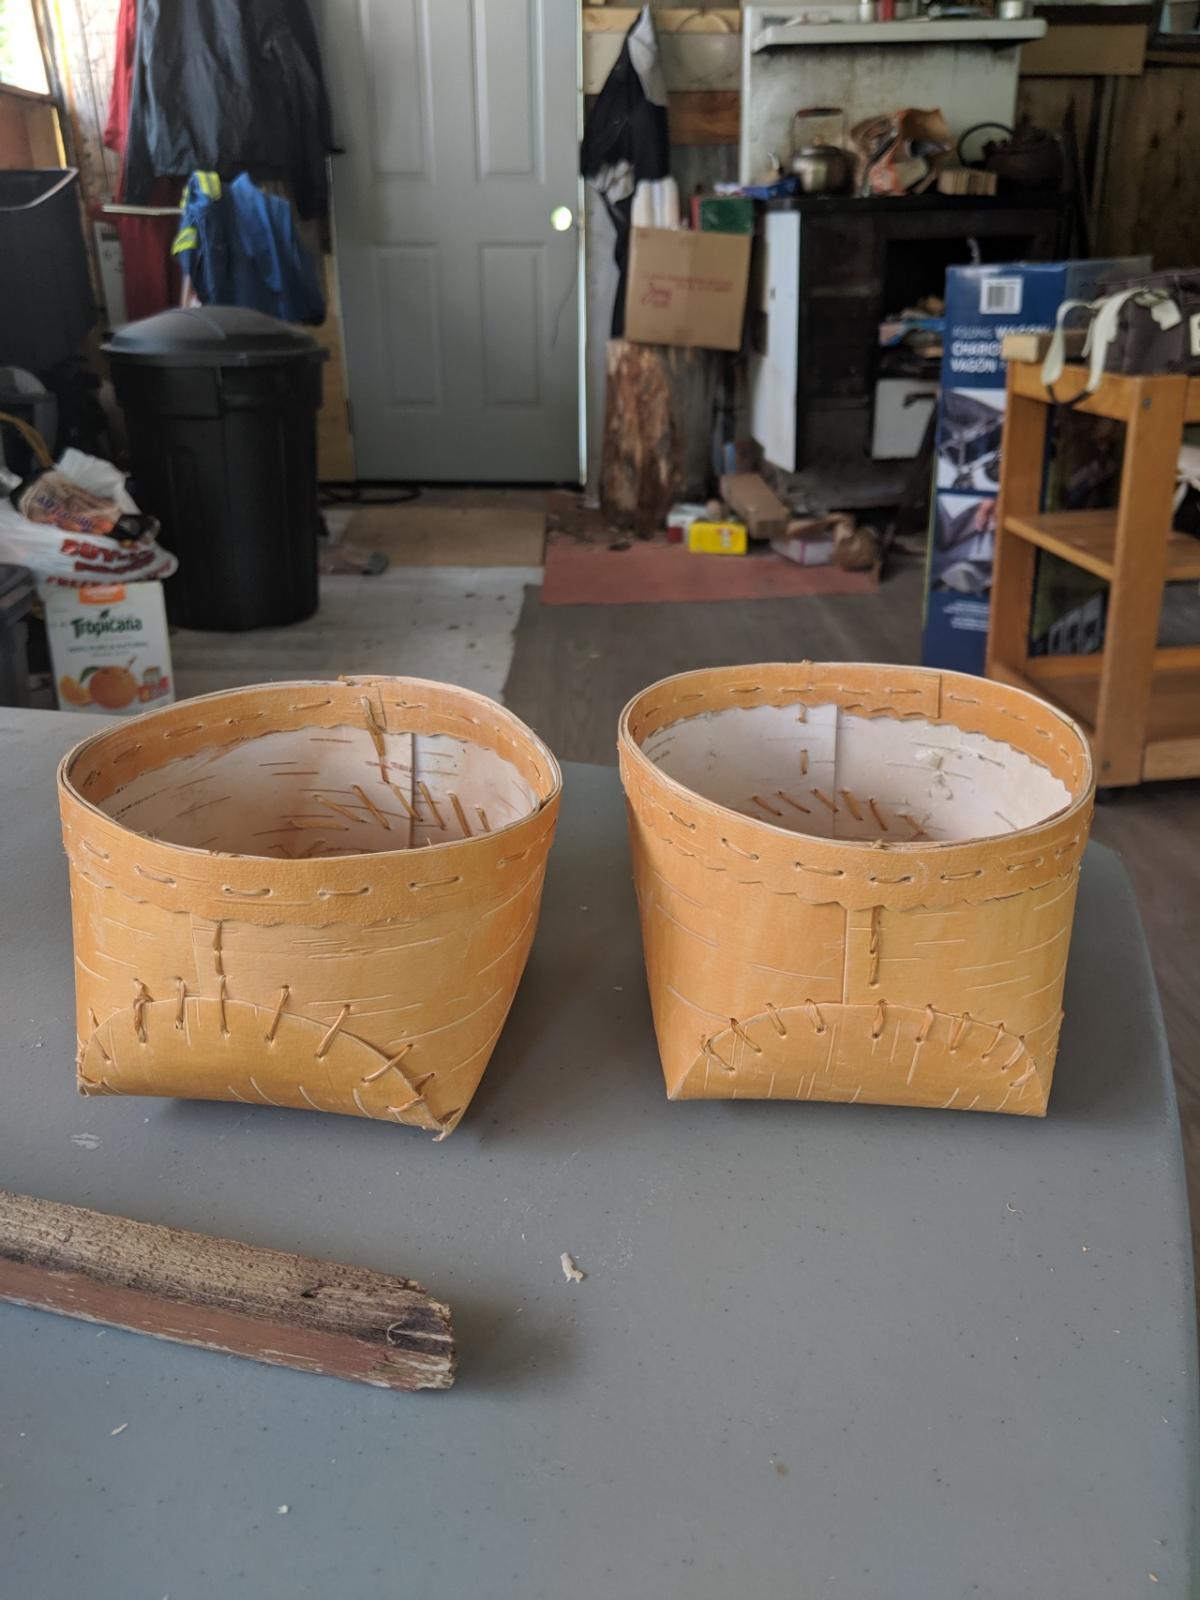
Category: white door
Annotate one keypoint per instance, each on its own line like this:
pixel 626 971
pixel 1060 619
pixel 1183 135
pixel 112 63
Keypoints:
pixel 460 301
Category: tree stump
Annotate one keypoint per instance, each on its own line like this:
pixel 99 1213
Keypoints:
pixel 657 431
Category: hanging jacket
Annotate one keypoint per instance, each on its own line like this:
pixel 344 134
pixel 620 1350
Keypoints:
pixel 229 86
pixel 239 247
pixel 626 139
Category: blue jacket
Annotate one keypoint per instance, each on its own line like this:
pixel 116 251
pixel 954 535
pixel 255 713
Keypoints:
pixel 240 248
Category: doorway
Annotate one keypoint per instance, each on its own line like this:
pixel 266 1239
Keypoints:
pixel 457 207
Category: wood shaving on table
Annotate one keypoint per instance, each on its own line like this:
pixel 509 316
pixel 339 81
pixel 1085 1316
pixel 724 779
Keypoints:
pixel 118 1430
pixel 570 1271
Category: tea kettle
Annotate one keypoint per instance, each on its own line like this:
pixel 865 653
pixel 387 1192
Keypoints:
pixel 822 168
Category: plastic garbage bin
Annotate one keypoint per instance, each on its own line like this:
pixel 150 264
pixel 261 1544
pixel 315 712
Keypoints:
pixel 16 600
pixel 221 406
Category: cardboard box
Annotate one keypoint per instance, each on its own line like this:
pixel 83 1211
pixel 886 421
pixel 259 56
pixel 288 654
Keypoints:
pixel 805 552
pixel 687 288
pixel 718 539
pixel 983 305
pixel 109 647
pixel 755 503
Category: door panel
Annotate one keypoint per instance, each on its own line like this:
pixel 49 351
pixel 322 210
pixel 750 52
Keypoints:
pixel 512 320
pixel 459 123
pixel 397 58
pixel 407 312
pixel 508 120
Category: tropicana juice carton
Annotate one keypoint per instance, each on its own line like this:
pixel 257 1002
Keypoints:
pixel 109 647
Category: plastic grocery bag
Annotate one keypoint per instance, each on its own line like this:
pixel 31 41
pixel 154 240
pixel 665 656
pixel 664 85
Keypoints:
pixel 69 556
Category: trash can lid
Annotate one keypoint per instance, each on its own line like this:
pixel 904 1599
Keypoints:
pixel 211 336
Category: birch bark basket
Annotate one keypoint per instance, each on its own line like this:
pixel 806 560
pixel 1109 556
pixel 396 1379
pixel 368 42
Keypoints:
pixel 318 895
pixel 855 883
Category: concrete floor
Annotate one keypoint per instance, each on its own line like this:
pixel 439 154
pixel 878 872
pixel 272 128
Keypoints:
pixel 452 623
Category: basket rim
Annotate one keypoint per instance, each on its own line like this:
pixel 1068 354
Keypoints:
pixel 501 714
pixel 629 748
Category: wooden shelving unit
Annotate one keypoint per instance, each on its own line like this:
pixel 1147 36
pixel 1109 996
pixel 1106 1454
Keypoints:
pixel 1140 705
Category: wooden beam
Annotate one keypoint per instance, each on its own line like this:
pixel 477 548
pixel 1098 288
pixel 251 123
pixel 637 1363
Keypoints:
pixel 1187 56
pixel 691 60
pixel 1153 429
pixel 29 131
pixel 1033 346
pixel 286 1310
pixel 705 116
pixel 1171 658
pixel 693 19
pixel 1093 51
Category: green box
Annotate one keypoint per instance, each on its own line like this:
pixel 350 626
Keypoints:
pixel 726 213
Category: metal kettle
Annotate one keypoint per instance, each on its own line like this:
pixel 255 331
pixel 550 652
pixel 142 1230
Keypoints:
pixel 821 168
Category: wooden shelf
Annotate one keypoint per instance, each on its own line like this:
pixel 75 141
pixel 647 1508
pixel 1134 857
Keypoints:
pixel 1117 397
pixel 1172 738
pixel 1088 539
pixel 682 19
pixel 798 34
pixel 1140 704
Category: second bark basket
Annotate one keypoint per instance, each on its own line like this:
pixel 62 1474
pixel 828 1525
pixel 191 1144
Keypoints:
pixel 306 894
pixel 856 883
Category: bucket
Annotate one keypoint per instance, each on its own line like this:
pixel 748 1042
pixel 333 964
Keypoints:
pixel 855 883
pixel 319 895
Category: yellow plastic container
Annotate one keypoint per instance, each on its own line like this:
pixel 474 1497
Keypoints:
pixel 718 539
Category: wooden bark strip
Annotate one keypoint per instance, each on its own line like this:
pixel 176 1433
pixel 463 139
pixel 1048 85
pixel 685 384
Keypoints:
pixel 286 1310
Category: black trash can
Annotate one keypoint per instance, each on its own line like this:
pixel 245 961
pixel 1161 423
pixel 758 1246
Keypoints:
pixel 221 406
pixel 17 589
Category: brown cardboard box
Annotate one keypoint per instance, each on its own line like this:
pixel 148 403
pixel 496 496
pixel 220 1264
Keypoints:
pixel 687 288
pixel 752 499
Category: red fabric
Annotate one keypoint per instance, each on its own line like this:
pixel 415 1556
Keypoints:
pixel 151 276
pixel 117 125
pixel 580 574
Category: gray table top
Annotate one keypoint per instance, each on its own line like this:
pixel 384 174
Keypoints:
pixel 820 1350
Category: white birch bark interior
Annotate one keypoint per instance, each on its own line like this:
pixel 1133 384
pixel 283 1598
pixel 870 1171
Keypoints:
pixel 824 771
pixel 325 792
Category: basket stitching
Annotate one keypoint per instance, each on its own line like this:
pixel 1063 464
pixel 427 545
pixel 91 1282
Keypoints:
pixel 273 1027
pixel 653 803
pixel 155 877
pixel 960 1024
pixel 143 998
pixel 252 893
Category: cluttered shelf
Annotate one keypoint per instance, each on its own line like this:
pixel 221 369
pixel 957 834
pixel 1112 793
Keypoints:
pixel 1171 747
pixel 1088 539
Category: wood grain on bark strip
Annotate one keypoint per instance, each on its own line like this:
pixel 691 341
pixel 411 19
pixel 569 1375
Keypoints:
pixel 286 1310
